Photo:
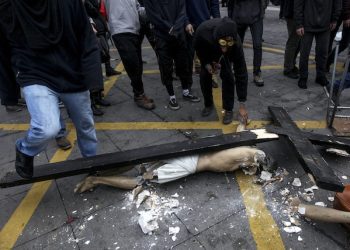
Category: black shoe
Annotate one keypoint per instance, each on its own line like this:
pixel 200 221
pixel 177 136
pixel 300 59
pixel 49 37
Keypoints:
pixel 291 74
pixel 96 111
pixel 258 80
pixel 173 105
pixel 99 100
pixel 191 98
pixel 207 111
pixel 63 143
pixel 112 72
pixel 13 108
pixel 302 83
pixel 322 81
pixel 228 117
pixel 24 165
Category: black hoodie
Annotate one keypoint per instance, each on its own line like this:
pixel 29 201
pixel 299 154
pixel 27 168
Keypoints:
pixel 209 51
pixel 52 44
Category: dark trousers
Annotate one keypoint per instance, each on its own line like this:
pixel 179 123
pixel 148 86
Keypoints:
pixel 292 46
pixel 256 29
pixel 228 85
pixel 322 39
pixel 168 52
pixel 147 31
pixel 129 48
pixel 343 44
pixel 9 93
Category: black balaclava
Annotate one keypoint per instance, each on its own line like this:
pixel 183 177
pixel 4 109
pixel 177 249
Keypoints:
pixel 41 21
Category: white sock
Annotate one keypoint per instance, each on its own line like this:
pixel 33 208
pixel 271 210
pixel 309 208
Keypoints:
pixel 185 92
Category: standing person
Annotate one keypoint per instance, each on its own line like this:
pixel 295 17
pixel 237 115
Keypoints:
pixel 218 46
pixel 55 56
pixel 250 13
pixel 345 40
pixel 293 42
pixel 315 18
pixel 199 11
pixel 169 20
pixel 123 18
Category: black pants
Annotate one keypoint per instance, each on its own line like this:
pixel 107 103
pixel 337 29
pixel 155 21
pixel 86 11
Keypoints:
pixel 9 93
pixel 228 85
pixel 343 44
pixel 322 40
pixel 256 29
pixel 292 46
pixel 147 31
pixel 129 48
pixel 168 52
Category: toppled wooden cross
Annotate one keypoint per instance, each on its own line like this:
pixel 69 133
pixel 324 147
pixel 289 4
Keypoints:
pixel 308 156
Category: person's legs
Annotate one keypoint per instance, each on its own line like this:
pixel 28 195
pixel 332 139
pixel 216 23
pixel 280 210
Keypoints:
pixel 207 91
pixel 306 43
pixel 322 40
pixel 228 90
pixel 61 139
pixel 256 30
pixel 291 51
pixel 241 29
pixel 79 109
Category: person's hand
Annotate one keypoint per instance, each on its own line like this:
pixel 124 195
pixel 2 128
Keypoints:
pixel 210 69
pixel 189 29
pixel 346 23
pixel 243 114
pixel 333 25
pixel 301 31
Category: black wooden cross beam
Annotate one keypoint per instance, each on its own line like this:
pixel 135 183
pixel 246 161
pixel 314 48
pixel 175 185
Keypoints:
pixel 306 152
pixel 137 156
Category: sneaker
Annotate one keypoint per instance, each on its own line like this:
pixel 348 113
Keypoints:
pixel 207 111
pixel 24 165
pixel 63 143
pixel 228 117
pixel 22 102
pixel 173 105
pixel 13 108
pixel 258 80
pixel 191 98
pixel 302 83
pixel 143 101
pixel 96 111
pixel 112 72
pixel 322 81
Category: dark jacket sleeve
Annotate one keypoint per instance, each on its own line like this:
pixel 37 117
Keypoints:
pixel 90 54
pixel 337 9
pixel 346 9
pixel 299 13
pixel 240 72
pixel 181 18
pixel 9 90
pixel 154 14
pixel 203 49
pixel 215 8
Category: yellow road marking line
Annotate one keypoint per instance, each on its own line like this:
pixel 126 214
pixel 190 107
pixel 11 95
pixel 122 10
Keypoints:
pixel 262 225
pixel 20 218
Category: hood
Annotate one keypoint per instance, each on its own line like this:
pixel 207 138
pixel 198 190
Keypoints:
pixel 227 27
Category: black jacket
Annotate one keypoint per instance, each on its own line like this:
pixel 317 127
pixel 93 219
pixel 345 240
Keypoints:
pixel 287 9
pixel 246 11
pixel 167 16
pixel 71 65
pixel 209 51
pixel 316 15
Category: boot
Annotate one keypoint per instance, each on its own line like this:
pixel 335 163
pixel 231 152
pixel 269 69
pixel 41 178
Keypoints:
pixel 100 101
pixel 110 71
pixel 24 165
pixel 95 109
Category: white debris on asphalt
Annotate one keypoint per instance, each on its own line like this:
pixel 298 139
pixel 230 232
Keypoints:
pixel 87 242
pixel 300 239
pixel 266 176
pixel 147 221
pixel 338 152
pixel 176 195
pixel 90 218
pixel 311 189
pixel 331 199
pixel 344 177
pixel 174 231
pixel 142 197
pixel 296 182
pixel 293 229
pixel 286 223
pixel 285 192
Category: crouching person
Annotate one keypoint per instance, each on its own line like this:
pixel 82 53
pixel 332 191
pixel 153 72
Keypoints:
pixel 218 46
pixel 55 56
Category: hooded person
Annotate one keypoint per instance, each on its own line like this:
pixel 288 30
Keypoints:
pixel 218 46
pixel 54 55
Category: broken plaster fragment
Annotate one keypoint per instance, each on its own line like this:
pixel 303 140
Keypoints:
pixel 300 239
pixel 321 204
pixel 331 198
pixel 286 223
pixel 176 195
pixel 296 182
pixel 266 176
pixel 344 177
pixel 174 231
pixel 293 229
pixel 147 222
pixel 285 192
pixel 142 197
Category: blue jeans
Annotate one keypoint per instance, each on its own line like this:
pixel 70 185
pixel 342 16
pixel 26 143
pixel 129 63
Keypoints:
pixel 42 104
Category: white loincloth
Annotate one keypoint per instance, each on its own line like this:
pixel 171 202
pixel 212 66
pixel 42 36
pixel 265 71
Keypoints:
pixel 176 168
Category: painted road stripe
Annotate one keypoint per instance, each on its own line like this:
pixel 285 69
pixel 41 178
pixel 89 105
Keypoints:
pixel 20 218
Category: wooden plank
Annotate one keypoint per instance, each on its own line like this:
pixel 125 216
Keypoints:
pixel 136 156
pixel 308 156
pixel 316 139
